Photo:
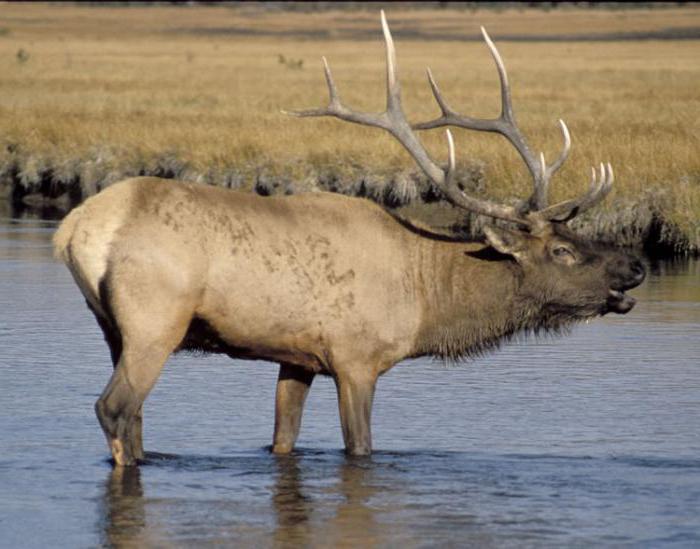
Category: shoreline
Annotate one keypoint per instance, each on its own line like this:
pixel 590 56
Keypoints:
pixel 639 224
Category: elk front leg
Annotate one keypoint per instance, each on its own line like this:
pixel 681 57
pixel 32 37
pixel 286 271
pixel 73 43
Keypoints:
pixel 293 385
pixel 355 396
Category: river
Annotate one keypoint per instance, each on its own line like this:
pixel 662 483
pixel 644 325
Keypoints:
pixel 592 439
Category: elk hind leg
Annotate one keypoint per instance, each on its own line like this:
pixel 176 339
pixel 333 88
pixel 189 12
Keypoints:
pixel 146 347
pixel 151 305
pixel 118 408
pixel 134 435
pixel 293 386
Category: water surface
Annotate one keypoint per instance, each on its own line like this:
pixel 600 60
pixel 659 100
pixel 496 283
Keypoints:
pixel 587 440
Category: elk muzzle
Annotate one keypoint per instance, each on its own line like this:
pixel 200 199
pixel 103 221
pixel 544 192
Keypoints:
pixel 626 272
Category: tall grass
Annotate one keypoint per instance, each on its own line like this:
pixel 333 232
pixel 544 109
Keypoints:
pixel 106 93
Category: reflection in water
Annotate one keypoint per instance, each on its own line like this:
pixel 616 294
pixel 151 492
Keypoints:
pixel 123 517
pixel 342 515
pixel 354 522
pixel 323 499
pixel 292 506
pixel 306 513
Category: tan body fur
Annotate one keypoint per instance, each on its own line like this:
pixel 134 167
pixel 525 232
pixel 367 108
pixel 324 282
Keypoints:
pixel 286 279
pixel 296 280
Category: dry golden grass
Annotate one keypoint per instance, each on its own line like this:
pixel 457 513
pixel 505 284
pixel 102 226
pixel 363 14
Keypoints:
pixel 108 92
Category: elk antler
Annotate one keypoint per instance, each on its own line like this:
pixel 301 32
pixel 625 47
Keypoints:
pixel 537 209
pixel 394 121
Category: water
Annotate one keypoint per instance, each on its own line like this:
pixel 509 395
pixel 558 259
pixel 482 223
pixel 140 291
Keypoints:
pixel 587 440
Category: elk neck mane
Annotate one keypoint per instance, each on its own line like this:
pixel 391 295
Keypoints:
pixel 491 303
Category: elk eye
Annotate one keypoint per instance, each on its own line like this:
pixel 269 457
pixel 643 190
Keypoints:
pixel 562 252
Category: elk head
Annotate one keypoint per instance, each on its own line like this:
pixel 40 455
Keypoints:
pixel 572 278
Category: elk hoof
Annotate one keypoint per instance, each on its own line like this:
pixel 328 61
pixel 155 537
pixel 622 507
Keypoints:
pixel 358 451
pixel 282 448
pixel 121 457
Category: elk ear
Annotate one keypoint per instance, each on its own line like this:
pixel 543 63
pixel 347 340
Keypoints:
pixel 507 242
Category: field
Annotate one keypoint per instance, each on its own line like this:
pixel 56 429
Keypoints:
pixel 89 95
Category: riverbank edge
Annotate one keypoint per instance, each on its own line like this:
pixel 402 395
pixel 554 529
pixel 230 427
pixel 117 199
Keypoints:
pixel 638 223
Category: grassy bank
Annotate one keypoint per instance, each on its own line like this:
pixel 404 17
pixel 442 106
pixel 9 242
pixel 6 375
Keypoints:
pixel 90 95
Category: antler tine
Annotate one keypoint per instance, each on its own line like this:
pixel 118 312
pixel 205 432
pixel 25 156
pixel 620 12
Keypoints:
pixel 450 118
pixel 505 124
pixel 538 200
pixel 446 111
pixel 394 121
pixel 393 87
pixel 565 150
pixel 537 209
pixel 568 209
pixel 506 102
pixel 332 90
pixel 598 190
pixel 335 107
pixel 462 200
pixel 450 157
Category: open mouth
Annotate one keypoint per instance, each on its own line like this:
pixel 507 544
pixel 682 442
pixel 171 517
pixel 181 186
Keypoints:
pixel 619 302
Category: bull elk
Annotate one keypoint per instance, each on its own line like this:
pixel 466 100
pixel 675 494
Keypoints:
pixel 327 284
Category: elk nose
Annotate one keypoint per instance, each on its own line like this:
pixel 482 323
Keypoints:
pixel 638 270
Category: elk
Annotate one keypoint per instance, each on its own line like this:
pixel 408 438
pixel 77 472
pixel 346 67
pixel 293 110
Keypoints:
pixel 328 284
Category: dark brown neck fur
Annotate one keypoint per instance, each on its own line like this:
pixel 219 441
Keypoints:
pixel 475 298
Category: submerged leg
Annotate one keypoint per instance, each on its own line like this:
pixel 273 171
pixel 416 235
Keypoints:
pixel 355 396
pixel 293 385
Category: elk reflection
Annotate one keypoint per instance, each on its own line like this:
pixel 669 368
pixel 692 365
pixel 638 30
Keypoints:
pixel 123 514
pixel 292 505
pixel 313 499
pixel 311 513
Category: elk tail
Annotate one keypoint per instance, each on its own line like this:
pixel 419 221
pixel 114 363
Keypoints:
pixel 62 237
